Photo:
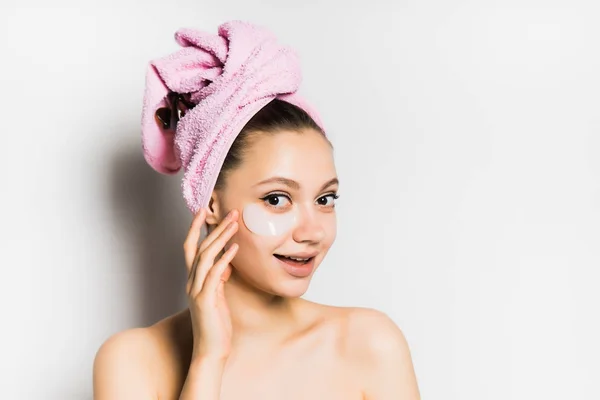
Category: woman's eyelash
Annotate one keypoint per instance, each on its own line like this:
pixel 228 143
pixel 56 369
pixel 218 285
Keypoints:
pixel 279 204
pixel 271 195
pixel 334 197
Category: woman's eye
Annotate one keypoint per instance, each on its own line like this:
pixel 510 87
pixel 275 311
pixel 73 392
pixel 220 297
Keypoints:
pixel 276 200
pixel 328 200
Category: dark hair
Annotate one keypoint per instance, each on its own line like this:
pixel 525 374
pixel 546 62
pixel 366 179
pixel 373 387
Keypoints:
pixel 276 116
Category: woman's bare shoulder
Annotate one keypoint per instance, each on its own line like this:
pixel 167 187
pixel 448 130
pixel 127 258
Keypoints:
pixel 360 326
pixel 143 361
pixel 379 347
pixel 359 320
pixel 374 329
pixel 367 333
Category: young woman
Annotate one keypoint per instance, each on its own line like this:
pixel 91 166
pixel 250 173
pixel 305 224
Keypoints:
pixel 247 333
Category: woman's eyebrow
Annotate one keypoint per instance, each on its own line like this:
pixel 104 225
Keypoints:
pixel 279 179
pixel 331 182
pixel 295 185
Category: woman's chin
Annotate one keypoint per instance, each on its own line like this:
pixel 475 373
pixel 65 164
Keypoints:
pixel 286 288
pixel 282 285
pixel 293 289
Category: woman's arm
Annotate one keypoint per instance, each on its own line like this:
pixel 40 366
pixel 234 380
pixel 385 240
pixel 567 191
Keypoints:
pixel 203 380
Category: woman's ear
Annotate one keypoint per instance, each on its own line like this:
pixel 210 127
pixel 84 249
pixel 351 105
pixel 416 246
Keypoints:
pixel 214 213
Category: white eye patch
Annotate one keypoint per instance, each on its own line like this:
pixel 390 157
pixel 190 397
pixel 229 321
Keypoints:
pixel 261 222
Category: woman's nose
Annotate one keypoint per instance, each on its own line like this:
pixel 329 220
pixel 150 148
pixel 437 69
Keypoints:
pixel 309 228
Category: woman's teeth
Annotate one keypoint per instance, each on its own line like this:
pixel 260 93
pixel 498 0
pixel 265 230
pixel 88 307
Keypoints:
pixel 302 260
pixel 298 259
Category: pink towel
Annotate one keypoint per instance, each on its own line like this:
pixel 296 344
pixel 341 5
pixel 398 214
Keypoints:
pixel 227 78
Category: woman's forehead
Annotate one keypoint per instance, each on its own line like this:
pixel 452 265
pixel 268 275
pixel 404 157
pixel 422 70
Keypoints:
pixel 289 151
pixel 302 157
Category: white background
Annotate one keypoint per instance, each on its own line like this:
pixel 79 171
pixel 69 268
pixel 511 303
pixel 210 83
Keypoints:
pixel 467 138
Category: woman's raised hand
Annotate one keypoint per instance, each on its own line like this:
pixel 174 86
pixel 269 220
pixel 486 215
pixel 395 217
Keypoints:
pixel 211 321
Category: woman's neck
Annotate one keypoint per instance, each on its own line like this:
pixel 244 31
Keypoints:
pixel 257 313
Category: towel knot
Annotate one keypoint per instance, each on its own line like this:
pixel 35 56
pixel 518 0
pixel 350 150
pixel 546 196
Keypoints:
pixel 205 93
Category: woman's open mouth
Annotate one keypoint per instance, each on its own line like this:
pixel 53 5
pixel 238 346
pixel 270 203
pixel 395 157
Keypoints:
pixel 299 267
pixel 293 260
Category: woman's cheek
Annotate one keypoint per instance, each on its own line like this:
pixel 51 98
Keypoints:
pixel 254 246
pixel 330 225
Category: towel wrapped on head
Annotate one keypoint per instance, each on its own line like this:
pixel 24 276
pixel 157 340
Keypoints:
pixel 198 99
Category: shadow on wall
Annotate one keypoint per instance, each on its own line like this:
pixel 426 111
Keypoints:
pixel 150 215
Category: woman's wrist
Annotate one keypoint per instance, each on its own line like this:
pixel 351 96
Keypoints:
pixel 211 361
pixel 214 358
pixel 204 378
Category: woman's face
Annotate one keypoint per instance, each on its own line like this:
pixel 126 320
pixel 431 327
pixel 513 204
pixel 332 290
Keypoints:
pixel 287 180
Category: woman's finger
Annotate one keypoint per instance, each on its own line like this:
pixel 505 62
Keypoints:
pixel 232 216
pixel 213 278
pixel 226 274
pixel 191 249
pixel 206 258
pixel 190 245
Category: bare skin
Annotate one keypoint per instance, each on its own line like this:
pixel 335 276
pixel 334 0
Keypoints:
pixel 247 333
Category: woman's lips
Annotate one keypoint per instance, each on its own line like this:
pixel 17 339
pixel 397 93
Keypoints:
pixel 298 269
